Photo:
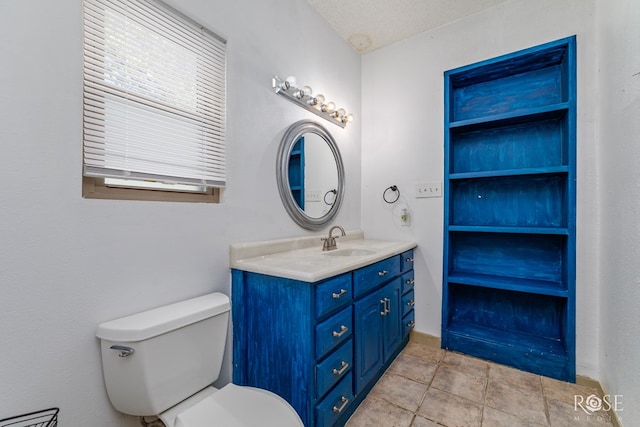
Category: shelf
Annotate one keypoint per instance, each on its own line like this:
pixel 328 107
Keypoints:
pixel 554 111
pixel 509 209
pixel 543 287
pixel 559 231
pixel 509 201
pixel 510 172
pixel 535 354
pixel 527 256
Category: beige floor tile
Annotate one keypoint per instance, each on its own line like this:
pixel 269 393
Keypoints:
pixel 494 418
pixel 400 391
pixel 461 383
pixel 423 351
pixel 465 363
pixel 450 410
pixel 563 414
pixel 423 422
pixel 515 401
pixel 374 412
pixel 414 368
pixel 564 391
pixel 521 379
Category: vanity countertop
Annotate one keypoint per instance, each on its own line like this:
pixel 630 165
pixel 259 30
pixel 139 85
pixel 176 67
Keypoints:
pixel 303 258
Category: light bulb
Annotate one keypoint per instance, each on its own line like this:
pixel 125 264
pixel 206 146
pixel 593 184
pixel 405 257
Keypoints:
pixel 349 118
pixel 292 81
pixel 341 112
pixel 306 90
pixel 328 107
pixel 318 100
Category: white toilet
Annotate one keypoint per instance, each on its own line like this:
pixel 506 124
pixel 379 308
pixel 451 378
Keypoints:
pixel 163 361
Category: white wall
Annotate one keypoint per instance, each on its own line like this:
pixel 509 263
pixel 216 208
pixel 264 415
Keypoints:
pixel 619 138
pixel 68 263
pixel 402 140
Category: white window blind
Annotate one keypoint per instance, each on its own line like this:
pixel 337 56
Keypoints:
pixel 154 95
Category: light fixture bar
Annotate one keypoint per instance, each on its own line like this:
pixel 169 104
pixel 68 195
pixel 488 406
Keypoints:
pixel 304 98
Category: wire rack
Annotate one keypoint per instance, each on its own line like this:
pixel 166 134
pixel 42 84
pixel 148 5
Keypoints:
pixel 42 418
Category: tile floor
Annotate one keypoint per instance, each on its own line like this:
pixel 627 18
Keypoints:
pixel 428 387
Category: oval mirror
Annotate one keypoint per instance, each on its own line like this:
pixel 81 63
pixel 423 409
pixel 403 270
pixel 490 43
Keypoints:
pixel 310 175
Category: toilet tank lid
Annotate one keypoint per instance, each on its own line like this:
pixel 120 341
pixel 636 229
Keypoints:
pixel 151 323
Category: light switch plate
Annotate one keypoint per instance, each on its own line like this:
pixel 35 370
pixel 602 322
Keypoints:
pixel 428 189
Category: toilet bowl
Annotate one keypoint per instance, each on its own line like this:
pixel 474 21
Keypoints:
pixel 163 361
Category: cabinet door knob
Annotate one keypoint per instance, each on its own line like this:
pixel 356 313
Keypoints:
pixel 411 324
pixel 384 307
pixel 343 367
pixel 411 303
pixel 382 273
pixel 344 401
pixel 338 295
pixel 409 259
pixel 343 330
pixel 411 281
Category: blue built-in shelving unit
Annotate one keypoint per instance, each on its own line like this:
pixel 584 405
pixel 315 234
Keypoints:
pixel 510 201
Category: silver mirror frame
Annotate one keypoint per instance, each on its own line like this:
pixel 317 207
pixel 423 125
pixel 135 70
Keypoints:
pixel 293 133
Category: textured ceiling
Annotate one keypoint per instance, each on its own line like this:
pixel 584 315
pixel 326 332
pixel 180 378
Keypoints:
pixel 371 24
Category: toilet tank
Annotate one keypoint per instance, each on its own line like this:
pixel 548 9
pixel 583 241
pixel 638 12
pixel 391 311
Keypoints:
pixel 177 351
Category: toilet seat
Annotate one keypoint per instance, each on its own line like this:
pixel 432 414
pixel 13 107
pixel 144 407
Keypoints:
pixel 236 406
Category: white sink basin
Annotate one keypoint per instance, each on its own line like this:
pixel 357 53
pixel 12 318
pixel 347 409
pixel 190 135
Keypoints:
pixel 349 252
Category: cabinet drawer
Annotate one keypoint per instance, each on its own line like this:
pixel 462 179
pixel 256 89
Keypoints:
pixel 406 261
pixel 371 276
pixel 408 301
pixel 408 322
pixel 335 404
pixel 334 368
pixel 333 294
pixel 407 282
pixel 333 331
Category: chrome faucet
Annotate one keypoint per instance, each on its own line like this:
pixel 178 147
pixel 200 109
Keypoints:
pixel 330 242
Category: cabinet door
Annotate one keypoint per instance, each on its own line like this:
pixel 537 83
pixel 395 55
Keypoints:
pixel 368 325
pixel 392 320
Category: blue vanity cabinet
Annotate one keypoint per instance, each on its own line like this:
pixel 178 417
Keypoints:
pixel 510 208
pixel 318 345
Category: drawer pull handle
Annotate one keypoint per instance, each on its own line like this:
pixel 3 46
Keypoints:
pixel 343 368
pixel 410 282
pixel 344 401
pixel 342 292
pixel 411 303
pixel 386 306
pixel 383 273
pixel 343 330
pixel 410 259
pixel 411 324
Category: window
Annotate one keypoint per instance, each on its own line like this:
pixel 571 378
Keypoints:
pixel 154 104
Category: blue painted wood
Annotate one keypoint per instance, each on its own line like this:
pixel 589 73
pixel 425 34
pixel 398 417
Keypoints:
pixel 334 368
pixel 341 398
pixel 392 321
pixel 510 181
pixel 368 344
pixel 372 276
pixel 289 336
pixel 406 261
pixel 521 201
pixel 333 332
pixel 333 294
pixel 297 172
pixel 539 144
pixel 521 256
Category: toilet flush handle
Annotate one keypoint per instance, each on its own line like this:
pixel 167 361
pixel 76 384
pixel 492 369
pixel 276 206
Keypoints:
pixel 124 350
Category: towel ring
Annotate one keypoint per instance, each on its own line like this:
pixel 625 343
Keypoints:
pixel 394 189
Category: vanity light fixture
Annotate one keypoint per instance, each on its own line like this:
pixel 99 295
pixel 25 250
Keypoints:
pixel 315 103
